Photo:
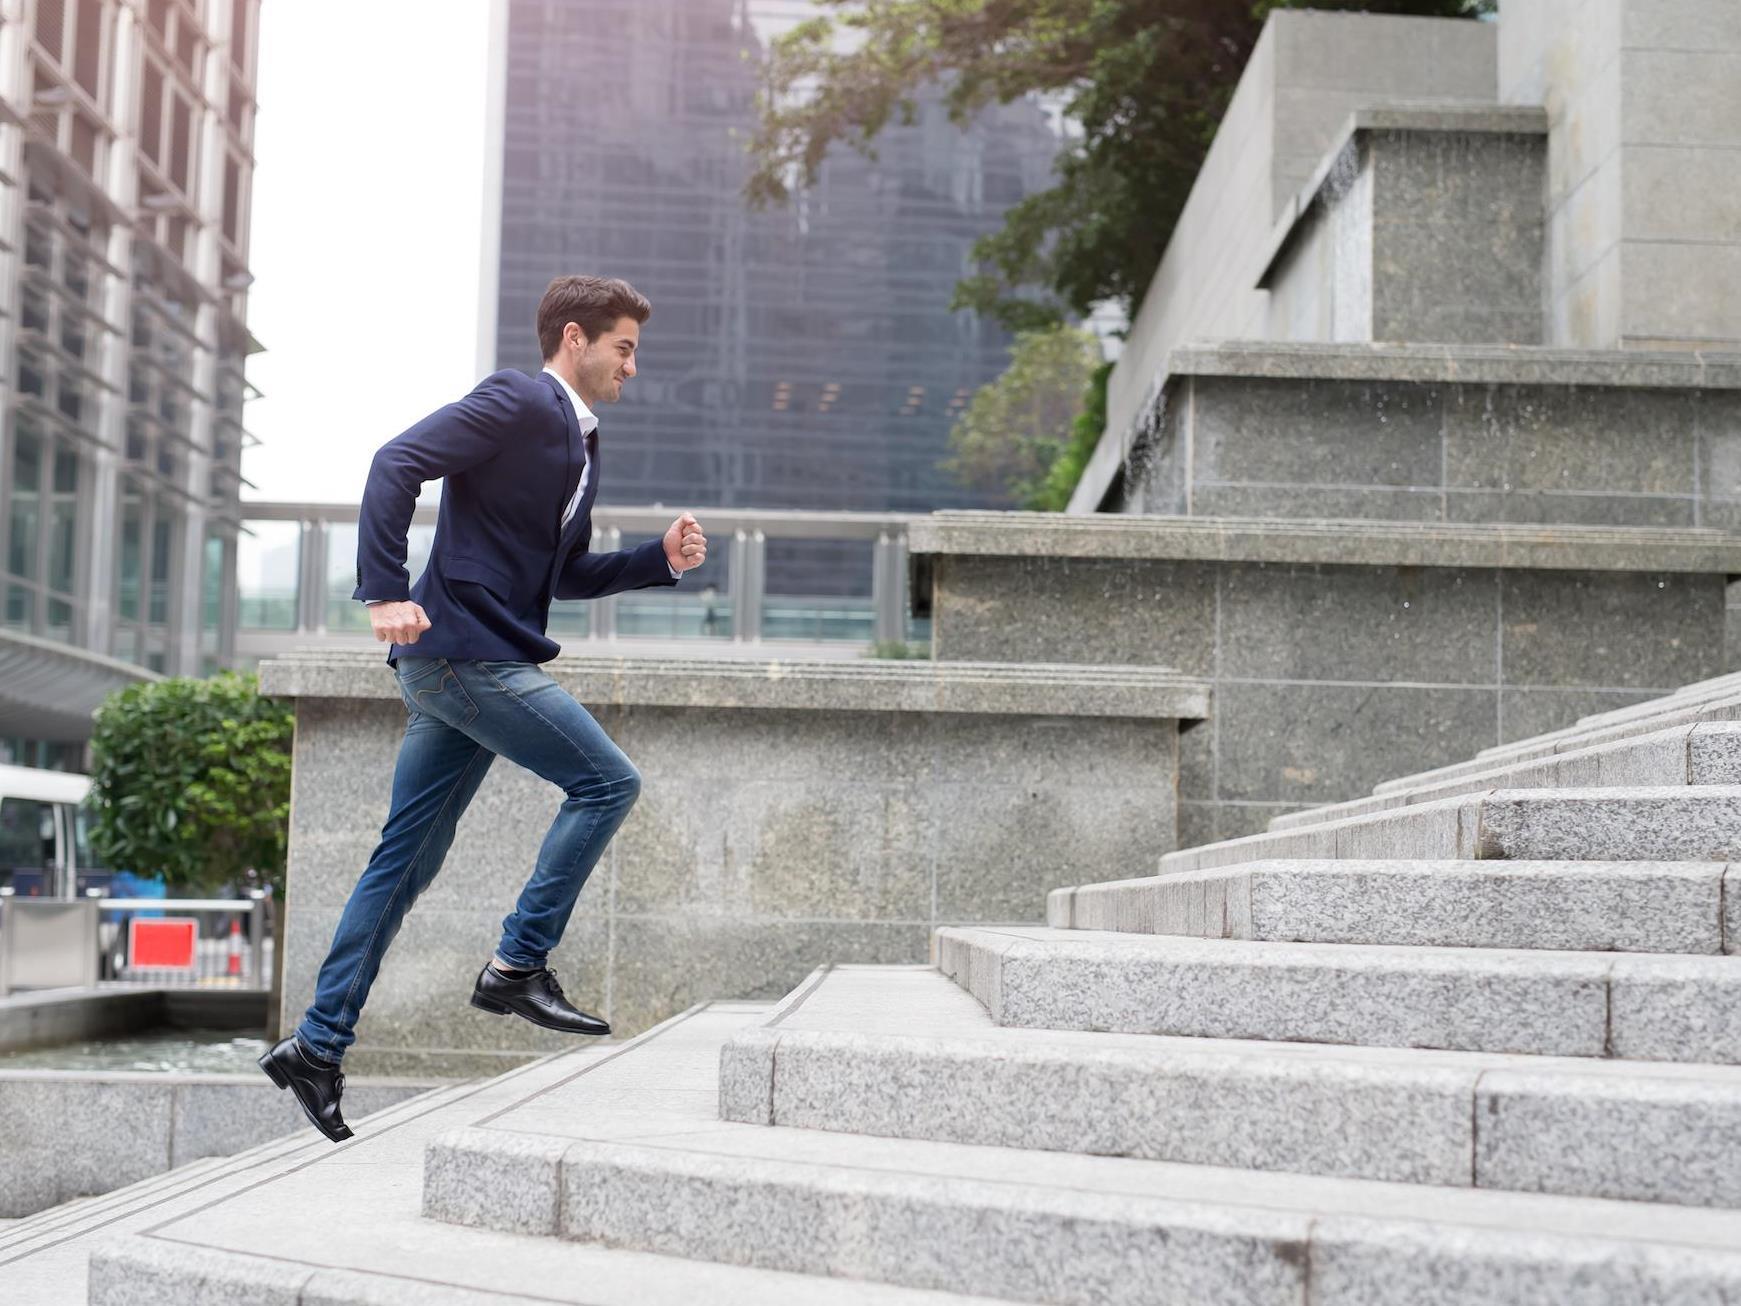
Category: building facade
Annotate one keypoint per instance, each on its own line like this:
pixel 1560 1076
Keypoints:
pixel 126 165
pixel 800 358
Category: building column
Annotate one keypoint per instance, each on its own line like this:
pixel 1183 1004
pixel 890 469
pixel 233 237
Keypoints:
pixel 889 588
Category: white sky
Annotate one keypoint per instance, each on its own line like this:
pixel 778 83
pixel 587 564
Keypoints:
pixel 366 225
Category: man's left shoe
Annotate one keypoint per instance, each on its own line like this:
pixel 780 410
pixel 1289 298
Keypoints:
pixel 537 997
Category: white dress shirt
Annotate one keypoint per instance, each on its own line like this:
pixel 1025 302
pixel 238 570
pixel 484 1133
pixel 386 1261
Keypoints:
pixel 588 424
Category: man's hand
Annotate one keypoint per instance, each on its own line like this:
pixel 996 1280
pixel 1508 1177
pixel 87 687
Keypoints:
pixel 685 545
pixel 398 623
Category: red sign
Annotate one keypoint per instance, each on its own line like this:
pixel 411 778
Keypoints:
pixel 163 943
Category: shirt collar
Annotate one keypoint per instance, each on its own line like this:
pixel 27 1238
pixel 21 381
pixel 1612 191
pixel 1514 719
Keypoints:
pixel 588 423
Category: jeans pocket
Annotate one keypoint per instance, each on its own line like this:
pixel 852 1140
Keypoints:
pixel 413 668
pixel 440 696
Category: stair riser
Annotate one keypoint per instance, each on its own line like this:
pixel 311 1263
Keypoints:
pixel 1574 1006
pixel 959 1237
pixel 1637 1138
pixel 1466 905
pixel 1086 1248
pixel 1588 826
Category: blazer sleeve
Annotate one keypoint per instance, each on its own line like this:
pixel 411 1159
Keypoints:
pixel 594 575
pixel 450 440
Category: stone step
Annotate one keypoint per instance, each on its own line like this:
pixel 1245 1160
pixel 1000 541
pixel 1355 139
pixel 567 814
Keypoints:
pixel 319 1223
pixel 1576 1004
pixel 1707 753
pixel 1631 823
pixel 1661 907
pixel 1080 1230
pixel 904 1053
pixel 1660 716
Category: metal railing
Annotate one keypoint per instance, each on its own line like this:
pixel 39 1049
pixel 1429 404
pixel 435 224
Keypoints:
pixel 298 573
pixel 75 942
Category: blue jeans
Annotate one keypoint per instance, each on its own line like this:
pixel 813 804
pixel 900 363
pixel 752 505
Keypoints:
pixel 463 714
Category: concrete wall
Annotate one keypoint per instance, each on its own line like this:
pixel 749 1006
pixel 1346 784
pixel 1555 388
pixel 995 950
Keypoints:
pixel 1308 73
pixel 1337 659
pixel 76 1134
pixel 1469 435
pixel 785 820
pixel 1644 216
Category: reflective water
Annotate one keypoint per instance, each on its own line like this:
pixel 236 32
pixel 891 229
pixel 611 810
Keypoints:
pixel 206 1051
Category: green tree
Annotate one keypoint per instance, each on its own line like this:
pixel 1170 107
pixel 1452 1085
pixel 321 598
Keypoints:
pixel 1008 438
pixel 191 778
pixel 1146 81
pixel 1054 493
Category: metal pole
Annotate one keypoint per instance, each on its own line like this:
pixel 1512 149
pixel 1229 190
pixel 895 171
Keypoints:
pixel 257 938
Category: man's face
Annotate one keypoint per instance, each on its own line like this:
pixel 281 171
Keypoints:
pixel 602 365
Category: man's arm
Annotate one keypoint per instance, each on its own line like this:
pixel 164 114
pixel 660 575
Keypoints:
pixel 450 440
pixel 595 575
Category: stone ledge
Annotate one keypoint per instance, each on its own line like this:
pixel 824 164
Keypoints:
pixel 989 688
pixel 1358 542
pixel 1444 117
pixel 1458 364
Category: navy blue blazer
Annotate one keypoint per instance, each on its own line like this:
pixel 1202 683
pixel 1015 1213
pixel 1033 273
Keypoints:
pixel 512 454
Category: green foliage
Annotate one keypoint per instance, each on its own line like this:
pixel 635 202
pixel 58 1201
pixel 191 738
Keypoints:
pixel 1053 494
pixel 191 778
pixel 1008 437
pixel 1146 80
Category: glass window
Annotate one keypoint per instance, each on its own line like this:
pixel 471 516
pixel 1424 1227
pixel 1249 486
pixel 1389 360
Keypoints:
pixel 25 515
pixel 63 522
pixel 130 574
pixel 27 845
pixel 268 559
pixel 162 556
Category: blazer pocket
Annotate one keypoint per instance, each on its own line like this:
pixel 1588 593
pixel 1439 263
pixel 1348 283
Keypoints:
pixel 493 579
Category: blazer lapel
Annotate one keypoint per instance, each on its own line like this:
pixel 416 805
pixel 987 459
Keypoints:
pixel 576 454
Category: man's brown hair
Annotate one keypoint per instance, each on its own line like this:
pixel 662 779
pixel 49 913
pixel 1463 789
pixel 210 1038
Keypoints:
pixel 594 303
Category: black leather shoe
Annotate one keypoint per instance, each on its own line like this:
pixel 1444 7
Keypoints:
pixel 316 1086
pixel 537 997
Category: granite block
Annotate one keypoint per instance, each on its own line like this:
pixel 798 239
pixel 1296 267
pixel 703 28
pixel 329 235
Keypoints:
pixel 753 849
pixel 1344 435
pixel 920 1231
pixel 1676 1009
pixel 1572 508
pixel 1639 1139
pixel 746 1076
pixel 1409 1125
pixel 67 1136
pixel 1367 1262
pixel 494 1179
pixel 998 852
pixel 1029 610
pixel 1370 623
pixel 136 1270
pixel 1546 1004
pixel 1539 438
pixel 1644 630
pixel 1392 504
pixel 1579 906
pixel 1661 823
pixel 1304 743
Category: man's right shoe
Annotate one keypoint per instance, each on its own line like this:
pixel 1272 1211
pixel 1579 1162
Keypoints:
pixel 316 1086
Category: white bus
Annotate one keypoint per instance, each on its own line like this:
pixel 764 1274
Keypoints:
pixel 45 849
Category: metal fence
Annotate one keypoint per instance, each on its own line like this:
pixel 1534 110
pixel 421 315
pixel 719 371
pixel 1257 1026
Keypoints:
pixel 148 942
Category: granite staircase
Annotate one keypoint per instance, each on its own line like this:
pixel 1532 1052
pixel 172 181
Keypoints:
pixel 1485 1049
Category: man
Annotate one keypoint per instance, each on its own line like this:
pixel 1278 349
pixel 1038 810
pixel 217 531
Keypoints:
pixel 521 459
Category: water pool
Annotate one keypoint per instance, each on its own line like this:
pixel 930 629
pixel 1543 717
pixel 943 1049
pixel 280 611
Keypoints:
pixel 187 1051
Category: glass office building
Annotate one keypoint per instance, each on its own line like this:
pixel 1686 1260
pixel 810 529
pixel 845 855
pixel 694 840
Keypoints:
pixel 126 164
pixel 800 358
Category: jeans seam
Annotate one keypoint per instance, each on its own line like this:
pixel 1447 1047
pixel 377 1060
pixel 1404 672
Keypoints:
pixel 411 861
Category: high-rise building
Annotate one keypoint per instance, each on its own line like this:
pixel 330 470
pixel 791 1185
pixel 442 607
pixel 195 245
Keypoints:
pixel 126 134
pixel 803 357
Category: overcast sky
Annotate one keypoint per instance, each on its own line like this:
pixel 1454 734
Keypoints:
pixel 366 221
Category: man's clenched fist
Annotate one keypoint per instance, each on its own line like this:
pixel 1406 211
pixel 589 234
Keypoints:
pixel 685 545
pixel 398 623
